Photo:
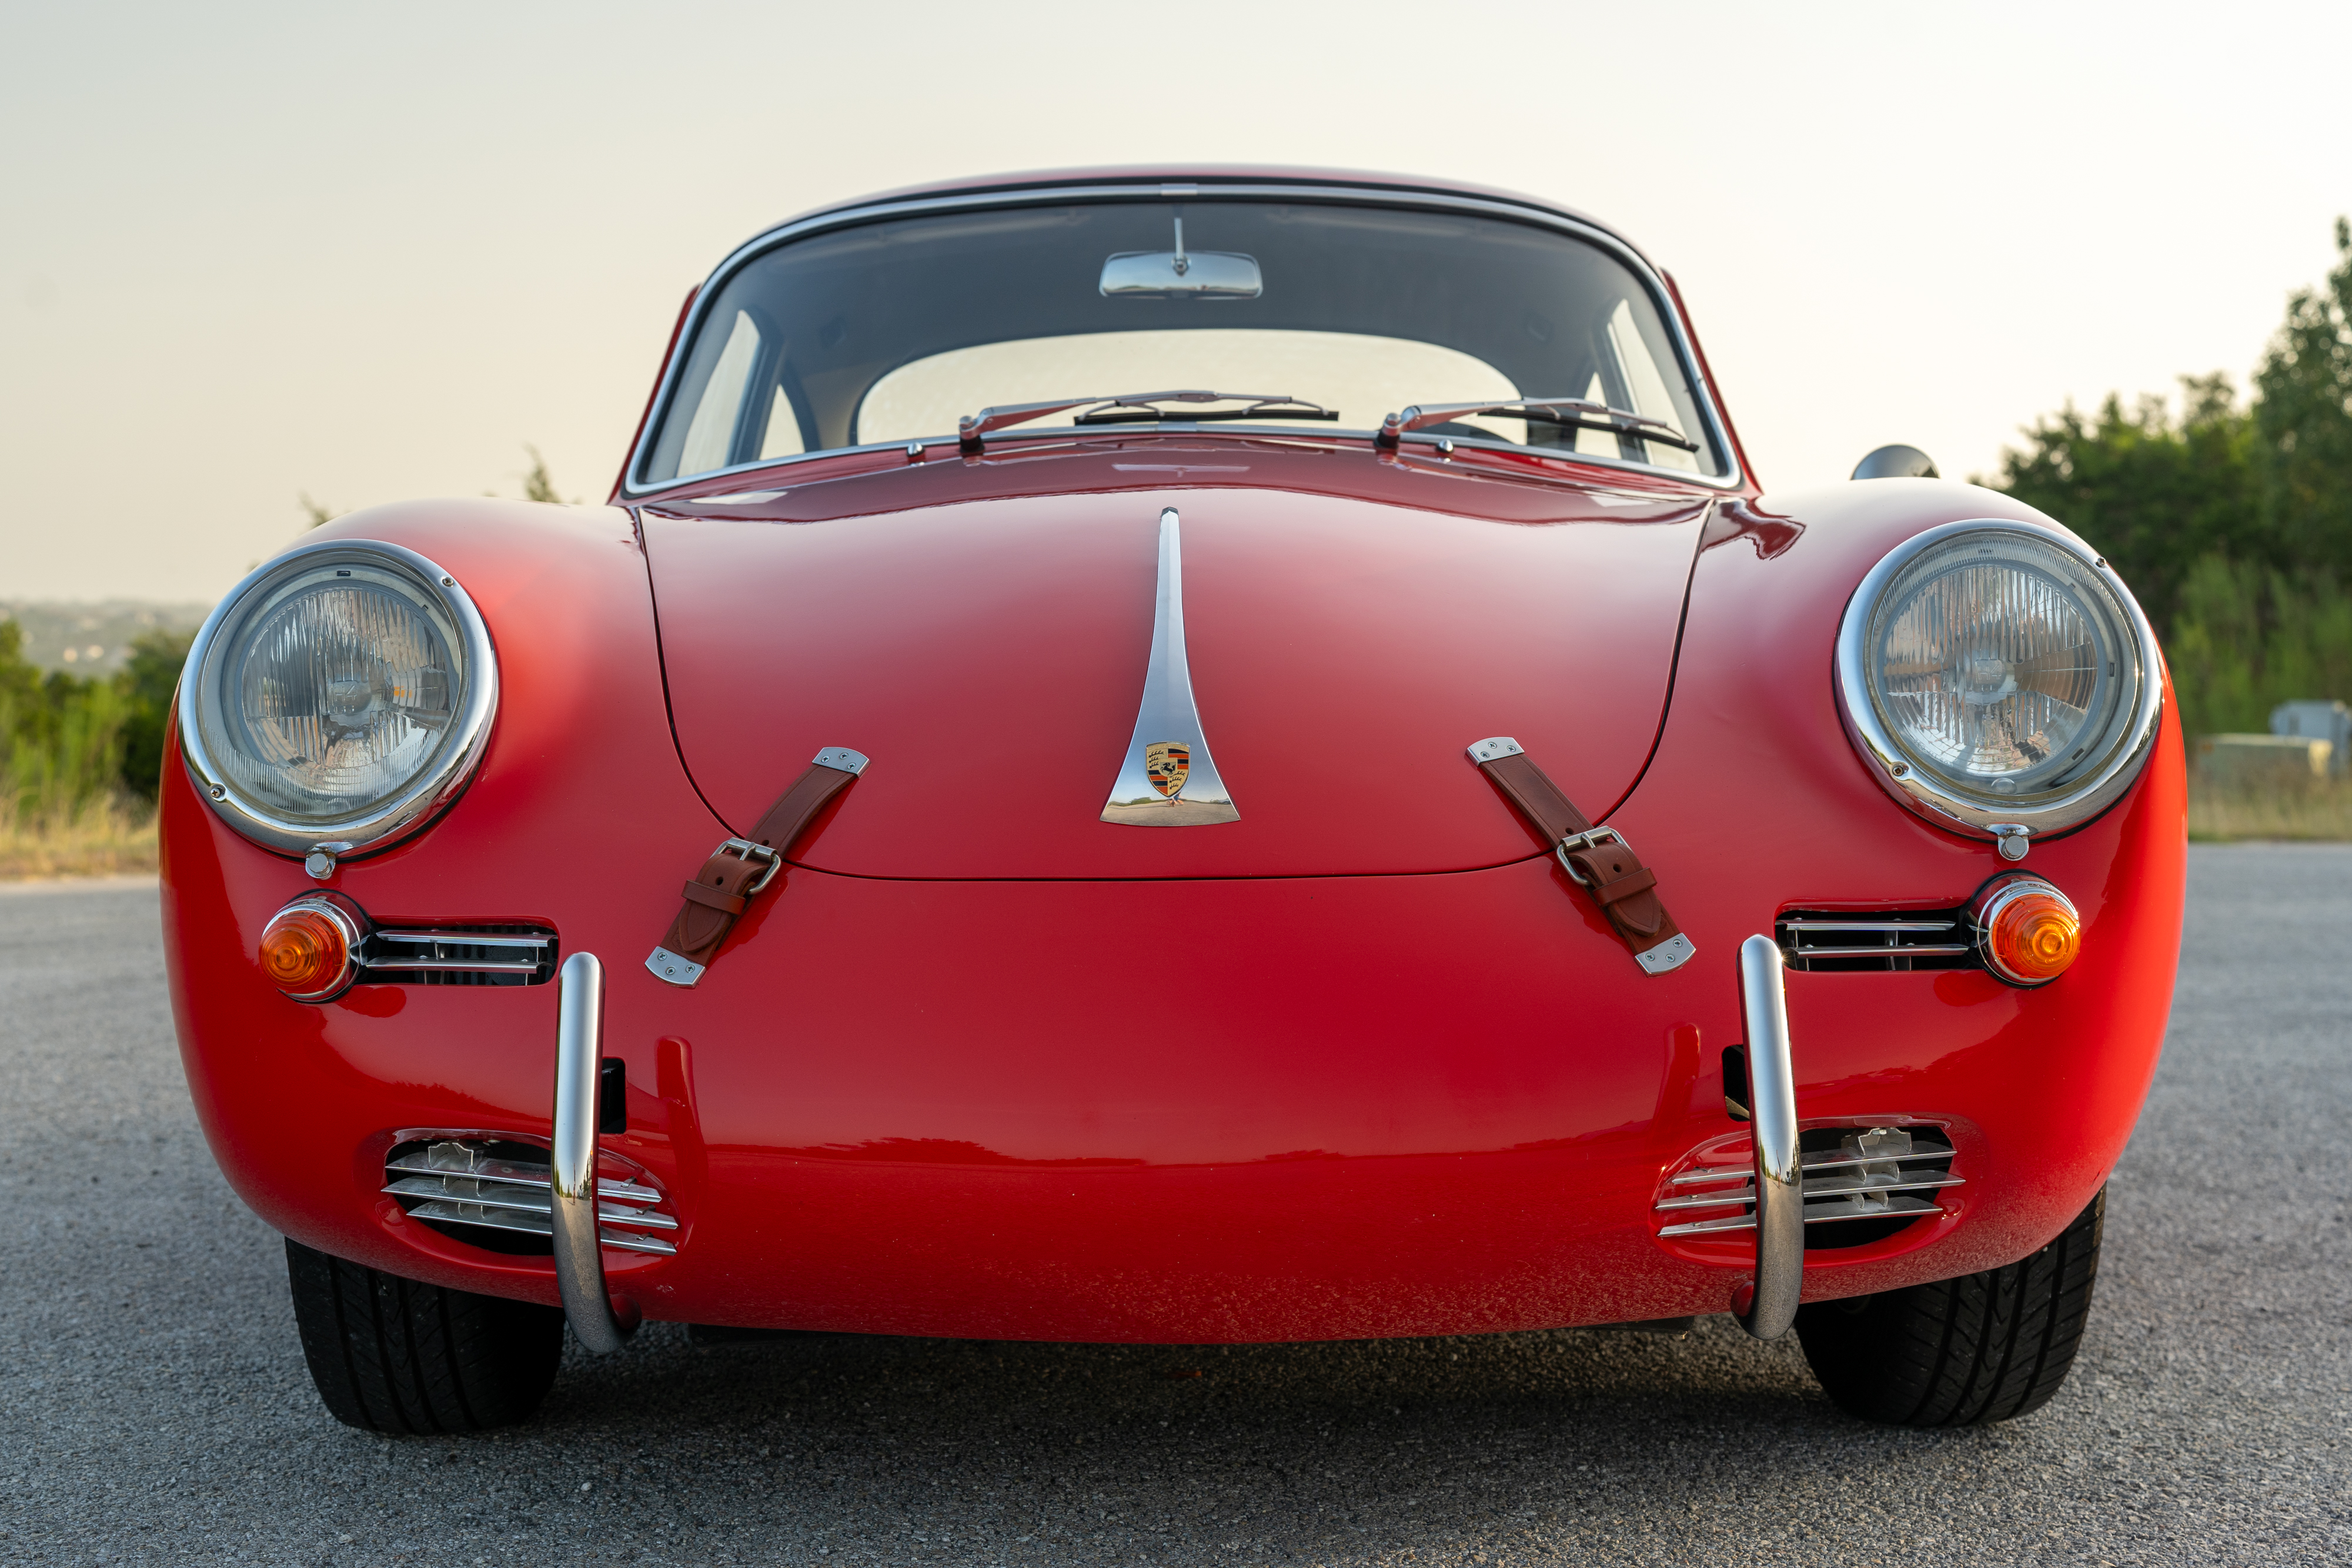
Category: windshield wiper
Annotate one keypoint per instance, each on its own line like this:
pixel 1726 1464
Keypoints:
pixel 1137 408
pixel 1576 413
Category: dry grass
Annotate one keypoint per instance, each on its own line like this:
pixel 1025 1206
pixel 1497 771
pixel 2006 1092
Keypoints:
pixel 2321 811
pixel 101 839
pixel 111 839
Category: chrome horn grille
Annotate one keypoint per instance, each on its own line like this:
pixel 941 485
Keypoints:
pixel 1850 1173
pixel 1818 940
pixel 488 1182
pixel 459 955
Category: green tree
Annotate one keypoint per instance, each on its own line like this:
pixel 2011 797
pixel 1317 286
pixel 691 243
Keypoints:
pixel 536 485
pixel 2233 524
pixel 2247 638
pixel 2303 409
pixel 147 682
pixel 61 737
pixel 2154 493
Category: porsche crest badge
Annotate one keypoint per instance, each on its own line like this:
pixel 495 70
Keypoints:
pixel 1165 764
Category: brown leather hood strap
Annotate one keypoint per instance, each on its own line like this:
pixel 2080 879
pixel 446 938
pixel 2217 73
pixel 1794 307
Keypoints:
pixel 739 868
pixel 1597 860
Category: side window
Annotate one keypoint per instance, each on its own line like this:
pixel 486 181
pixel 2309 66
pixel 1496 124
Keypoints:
pixel 1646 390
pixel 710 436
pixel 1596 442
pixel 783 436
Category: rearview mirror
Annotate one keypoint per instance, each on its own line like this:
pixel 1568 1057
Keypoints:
pixel 1896 463
pixel 1180 275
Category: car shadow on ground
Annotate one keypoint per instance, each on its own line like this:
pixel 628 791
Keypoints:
pixel 1347 1449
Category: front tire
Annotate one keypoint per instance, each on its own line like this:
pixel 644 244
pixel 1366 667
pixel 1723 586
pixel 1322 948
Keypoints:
pixel 390 1354
pixel 1961 1352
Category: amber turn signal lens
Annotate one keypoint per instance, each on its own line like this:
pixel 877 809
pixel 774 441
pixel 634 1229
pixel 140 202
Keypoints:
pixel 303 951
pixel 2031 937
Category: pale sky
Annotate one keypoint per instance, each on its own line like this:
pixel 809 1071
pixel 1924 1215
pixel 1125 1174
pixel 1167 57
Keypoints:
pixel 252 251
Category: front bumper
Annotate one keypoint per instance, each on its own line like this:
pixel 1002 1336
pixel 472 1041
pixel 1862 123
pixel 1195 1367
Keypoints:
pixel 1174 1112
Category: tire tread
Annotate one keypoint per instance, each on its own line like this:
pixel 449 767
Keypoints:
pixel 394 1355
pixel 1967 1351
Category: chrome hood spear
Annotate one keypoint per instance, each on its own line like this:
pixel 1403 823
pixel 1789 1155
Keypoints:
pixel 1168 779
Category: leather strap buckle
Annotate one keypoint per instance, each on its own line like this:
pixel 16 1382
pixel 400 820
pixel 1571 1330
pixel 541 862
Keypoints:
pixel 744 849
pixel 1592 838
pixel 1625 890
pixel 712 904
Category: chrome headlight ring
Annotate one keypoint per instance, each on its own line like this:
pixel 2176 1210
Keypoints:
pixel 445 623
pixel 2068 786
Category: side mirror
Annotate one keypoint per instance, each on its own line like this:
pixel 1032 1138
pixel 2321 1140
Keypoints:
pixel 1896 463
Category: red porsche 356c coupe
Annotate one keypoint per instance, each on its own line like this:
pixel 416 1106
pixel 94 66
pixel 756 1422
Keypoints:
pixel 1581 888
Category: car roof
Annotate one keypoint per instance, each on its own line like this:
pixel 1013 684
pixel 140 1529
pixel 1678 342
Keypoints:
pixel 1207 176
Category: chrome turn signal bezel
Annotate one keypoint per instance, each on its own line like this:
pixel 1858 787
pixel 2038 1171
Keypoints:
pixel 1985 909
pixel 1920 787
pixel 395 817
pixel 348 921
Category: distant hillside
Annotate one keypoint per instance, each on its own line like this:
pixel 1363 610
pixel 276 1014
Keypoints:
pixel 93 639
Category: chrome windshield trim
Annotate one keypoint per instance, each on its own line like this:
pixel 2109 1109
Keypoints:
pixel 1780 1192
pixel 634 487
pixel 1168 719
pixel 422 799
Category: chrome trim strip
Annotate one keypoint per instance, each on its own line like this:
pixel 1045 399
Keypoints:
pixel 457 1211
pixel 1926 1181
pixel 1827 1159
pixel 1870 925
pixel 1167 716
pixel 1914 785
pixel 1914 950
pixel 1780 1220
pixel 528 1200
pixel 425 797
pixel 469 938
pixel 636 488
pixel 1900 1207
pixel 515 1173
pixel 579 1258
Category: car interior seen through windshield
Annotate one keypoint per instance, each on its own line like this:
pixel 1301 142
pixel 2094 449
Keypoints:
pixel 892 331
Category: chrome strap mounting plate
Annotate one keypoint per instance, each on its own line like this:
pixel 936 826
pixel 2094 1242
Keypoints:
pixel 668 965
pixel 1671 953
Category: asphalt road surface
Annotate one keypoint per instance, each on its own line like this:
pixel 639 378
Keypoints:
pixel 153 1405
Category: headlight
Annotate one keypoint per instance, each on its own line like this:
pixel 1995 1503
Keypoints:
pixel 341 696
pixel 1998 674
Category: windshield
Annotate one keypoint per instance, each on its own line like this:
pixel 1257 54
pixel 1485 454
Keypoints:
pixel 889 331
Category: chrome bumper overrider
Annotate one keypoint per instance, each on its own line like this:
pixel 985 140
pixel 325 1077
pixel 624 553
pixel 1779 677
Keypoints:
pixel 579 1259
pixel 1779 1175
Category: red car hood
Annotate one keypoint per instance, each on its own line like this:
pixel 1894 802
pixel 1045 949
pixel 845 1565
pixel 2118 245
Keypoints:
pixel 988 655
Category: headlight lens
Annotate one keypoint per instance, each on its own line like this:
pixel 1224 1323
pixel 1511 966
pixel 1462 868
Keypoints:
pixel 339 695
pixel 2001 675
